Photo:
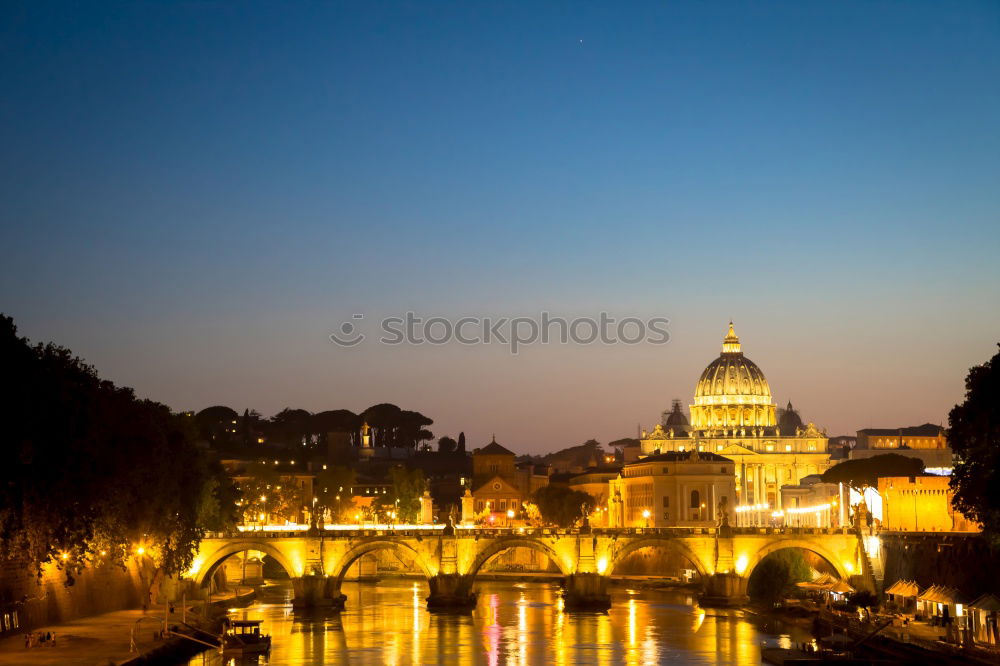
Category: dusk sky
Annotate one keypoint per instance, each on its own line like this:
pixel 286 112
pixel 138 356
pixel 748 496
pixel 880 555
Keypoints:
pixel 194 196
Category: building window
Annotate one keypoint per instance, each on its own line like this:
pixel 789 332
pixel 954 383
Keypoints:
pixel 695 499
pixel 666 501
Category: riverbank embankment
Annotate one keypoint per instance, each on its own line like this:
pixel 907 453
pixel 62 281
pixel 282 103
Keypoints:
pixel 121 637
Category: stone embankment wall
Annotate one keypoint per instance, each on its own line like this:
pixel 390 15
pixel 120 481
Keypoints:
pixel 28 601
pixel 964 562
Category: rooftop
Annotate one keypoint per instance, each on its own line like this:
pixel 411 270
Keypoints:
pixel 925 430
pixel 493 449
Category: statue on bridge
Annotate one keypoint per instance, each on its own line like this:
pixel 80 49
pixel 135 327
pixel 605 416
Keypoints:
pixel 723 510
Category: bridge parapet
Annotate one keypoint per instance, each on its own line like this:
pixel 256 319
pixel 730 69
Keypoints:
pixel 362 532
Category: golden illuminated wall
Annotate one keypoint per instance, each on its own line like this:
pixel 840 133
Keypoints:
pixel 920 504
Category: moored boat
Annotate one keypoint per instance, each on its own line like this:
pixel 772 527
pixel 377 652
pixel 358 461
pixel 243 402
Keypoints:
pixel 245 637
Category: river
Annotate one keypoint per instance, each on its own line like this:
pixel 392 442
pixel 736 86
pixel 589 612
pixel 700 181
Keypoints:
pixel 513 623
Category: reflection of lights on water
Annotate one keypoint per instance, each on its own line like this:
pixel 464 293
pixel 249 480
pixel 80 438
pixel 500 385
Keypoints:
pixel 699 618
pixel 650 652
pixel 377 627
pixel 631 621
pixel 522 628
pixel 417 607
pixel 493 631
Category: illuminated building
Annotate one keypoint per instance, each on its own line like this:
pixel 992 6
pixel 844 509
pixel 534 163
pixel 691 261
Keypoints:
pixel 672 489
pixel 594 482
pixel 920 504
pixel 811 503
pixel 733 415
pixel 499 484
pixel 926 442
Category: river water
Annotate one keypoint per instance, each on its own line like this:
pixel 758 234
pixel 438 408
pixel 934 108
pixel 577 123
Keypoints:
pixel 513 623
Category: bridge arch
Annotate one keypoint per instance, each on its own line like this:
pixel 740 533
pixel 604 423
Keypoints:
pixel 361 549
pixel 212 562
pixel 803 544
pixel 658 541
pixel 500 545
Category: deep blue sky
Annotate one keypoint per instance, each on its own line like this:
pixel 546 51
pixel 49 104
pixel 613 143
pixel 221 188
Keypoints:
pixel 194 195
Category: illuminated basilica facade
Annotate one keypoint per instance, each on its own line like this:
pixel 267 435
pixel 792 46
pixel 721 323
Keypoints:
pixel 734 416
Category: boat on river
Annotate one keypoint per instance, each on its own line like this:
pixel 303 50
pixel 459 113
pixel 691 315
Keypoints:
pixel 245 637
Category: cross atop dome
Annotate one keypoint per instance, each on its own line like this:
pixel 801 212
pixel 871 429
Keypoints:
pixel 731 343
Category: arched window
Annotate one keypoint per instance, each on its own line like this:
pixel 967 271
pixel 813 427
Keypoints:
pixel 695 499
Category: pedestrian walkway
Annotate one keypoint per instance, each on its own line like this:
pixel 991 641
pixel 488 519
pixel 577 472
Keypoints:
pixel 98 639
pixel 101 639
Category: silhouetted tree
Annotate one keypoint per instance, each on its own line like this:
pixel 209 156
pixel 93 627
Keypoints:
pixel 974 436
pixel 291 427
pixel 383 420
pixel 337 420
pixel 408 485
pixel 91 469
pixel 560 505
pixel 865 472
pixel 392 426
pixel 447 445
pixel 776 575
pixel 461 442
pixel 217 424
pixel 411 430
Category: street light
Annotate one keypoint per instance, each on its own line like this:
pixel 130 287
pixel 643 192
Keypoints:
pixel 510 516
pixel 645 514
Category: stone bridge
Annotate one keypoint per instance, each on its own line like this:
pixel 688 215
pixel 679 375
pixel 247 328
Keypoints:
pixel 724 558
